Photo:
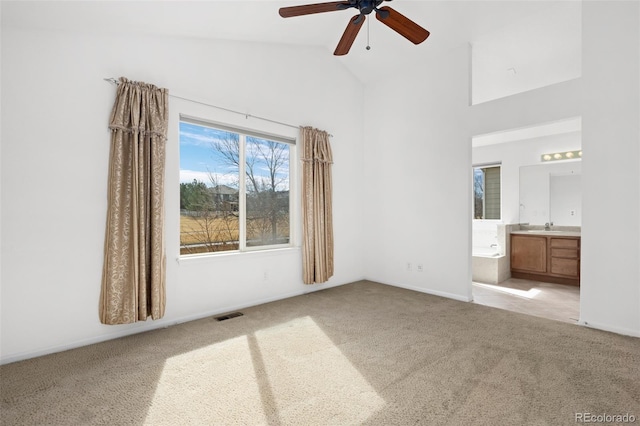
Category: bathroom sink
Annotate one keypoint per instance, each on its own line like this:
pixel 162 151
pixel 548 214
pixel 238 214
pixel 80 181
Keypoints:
pixel 539 231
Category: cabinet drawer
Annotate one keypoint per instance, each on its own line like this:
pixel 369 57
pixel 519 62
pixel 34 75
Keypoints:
pixel 564 252
pixel 565 242
pixel 566 267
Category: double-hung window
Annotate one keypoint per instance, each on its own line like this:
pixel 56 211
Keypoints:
pixel 235 188
pixel 486 192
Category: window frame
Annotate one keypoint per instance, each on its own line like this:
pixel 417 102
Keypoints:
pixel 484 206
pixel 243 133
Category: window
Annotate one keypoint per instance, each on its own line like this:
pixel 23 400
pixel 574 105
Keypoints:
pixel 234 189
pixel 486 192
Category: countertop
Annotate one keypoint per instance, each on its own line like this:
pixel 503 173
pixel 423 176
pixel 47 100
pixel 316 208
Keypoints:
pixel 551 233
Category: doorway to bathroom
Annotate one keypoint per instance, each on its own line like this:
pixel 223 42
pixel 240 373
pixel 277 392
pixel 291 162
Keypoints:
pixel 540 202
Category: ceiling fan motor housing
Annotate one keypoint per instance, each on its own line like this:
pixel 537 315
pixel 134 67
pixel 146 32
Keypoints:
pixel 368 6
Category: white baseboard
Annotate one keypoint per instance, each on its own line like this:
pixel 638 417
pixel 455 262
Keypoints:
pixel 609 328
pixel 428 291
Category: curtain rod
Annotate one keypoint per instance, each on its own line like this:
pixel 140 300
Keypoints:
pixel 247 116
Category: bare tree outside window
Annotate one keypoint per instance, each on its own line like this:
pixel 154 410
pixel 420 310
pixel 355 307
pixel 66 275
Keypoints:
pixel 478 194
pixel 267 192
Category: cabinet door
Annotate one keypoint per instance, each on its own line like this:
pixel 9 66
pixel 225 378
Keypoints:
pixel 529 253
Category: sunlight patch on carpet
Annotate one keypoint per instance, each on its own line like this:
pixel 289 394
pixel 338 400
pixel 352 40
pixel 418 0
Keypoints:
pixel 276 375
pixel 205 385
pixel 311 378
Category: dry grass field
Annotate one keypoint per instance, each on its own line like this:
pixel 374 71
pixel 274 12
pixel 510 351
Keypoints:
pixel 201 231
pixel 194 230
pixel 222 231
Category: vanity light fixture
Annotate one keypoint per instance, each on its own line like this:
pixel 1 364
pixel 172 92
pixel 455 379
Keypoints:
pixel 569 155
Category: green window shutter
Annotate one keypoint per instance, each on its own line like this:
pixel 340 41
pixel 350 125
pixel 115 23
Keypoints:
pixel 492 193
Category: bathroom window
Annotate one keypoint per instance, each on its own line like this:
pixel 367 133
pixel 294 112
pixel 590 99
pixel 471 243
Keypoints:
pixel 486 192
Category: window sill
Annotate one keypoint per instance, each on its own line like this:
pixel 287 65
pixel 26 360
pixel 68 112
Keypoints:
pixel 214 257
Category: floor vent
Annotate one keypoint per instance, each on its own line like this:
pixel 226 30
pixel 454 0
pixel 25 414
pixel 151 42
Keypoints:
pixel 229 316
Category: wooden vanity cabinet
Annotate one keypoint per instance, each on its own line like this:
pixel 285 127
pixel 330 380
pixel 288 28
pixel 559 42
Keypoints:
pixel 546 258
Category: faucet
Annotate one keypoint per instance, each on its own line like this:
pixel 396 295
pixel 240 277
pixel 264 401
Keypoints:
pixel 547 226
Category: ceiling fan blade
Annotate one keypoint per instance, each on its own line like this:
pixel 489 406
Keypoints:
pixel 349 35
pixel 308 9
pixel 402 25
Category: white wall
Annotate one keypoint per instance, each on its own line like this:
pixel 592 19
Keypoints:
pixel 610 286
pixel 417 154
pixel 558 102
pixel 55 142
pixel 0 173
pixel 540 49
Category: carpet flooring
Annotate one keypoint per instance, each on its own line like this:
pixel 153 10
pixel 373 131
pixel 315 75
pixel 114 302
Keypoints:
pixel 358 354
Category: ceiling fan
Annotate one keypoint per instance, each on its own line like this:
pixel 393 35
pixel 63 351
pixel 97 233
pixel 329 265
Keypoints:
pixel 388 16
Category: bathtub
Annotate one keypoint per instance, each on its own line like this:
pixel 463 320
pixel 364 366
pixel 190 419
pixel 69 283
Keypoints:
pixel 489 265
pixel 485 251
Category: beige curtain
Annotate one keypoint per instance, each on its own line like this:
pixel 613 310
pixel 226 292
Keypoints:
pixel 317 217
pixel 133 277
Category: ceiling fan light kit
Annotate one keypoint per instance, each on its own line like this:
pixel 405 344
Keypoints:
pixel 388 16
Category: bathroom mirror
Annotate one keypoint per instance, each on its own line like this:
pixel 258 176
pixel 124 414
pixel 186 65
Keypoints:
pixel 551 192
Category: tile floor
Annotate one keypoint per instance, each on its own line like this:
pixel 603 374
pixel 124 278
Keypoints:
pixel 554 301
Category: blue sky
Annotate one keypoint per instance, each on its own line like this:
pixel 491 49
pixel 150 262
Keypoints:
pixel 199 160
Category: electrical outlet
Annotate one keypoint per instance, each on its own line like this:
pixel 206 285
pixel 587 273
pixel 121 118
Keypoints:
pixel 420 267
pixel 408 266
pixel 265 276
pixel 572 212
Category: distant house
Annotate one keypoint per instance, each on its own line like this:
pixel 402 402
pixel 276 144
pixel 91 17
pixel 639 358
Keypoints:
pixel 225 197
pixel 224 193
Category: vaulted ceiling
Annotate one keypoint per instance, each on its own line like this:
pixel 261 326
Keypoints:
pixel 451 23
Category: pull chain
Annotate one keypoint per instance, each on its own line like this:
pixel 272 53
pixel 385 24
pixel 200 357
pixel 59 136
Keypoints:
pixel 368 46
